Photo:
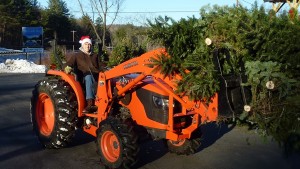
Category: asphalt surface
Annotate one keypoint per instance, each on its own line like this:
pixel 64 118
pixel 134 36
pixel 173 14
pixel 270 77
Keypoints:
pixel 223 147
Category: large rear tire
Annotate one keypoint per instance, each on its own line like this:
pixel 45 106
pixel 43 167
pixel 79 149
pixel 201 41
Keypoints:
pixel 117 144
pixel 185 146
pixel 53 112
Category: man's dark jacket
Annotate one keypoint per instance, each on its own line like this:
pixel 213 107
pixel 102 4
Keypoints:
pixel 83 62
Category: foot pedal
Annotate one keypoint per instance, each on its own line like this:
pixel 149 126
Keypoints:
pixel 89 110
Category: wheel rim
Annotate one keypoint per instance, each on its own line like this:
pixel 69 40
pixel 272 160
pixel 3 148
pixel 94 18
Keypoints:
pixel 178 143
pixel 110 146
pixel 45 114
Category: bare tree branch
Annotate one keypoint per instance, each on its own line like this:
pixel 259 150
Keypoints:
pixel 103 7
pixel 95 4
pixel 93 25
pixel 116 14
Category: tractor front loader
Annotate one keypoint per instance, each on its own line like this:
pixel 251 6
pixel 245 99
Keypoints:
pixel 134 101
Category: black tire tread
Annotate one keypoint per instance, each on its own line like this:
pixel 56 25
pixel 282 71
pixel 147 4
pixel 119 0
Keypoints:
pixel 128 140
pixel 65 107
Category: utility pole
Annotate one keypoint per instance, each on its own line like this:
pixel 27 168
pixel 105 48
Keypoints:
pixel 237 3
pixel 73 38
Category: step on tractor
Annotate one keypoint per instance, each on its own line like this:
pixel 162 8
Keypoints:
pixel 135 102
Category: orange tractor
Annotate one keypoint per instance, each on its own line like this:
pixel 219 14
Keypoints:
pixel 134 101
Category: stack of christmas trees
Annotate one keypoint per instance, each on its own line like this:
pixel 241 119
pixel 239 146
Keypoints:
pixel 267 44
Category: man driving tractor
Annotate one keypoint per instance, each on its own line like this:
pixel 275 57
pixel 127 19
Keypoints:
pixel 86 65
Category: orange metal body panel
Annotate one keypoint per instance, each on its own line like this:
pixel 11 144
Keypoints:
pixel 140 117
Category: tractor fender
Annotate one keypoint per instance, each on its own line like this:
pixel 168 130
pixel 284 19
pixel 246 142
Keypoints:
pixel 70 79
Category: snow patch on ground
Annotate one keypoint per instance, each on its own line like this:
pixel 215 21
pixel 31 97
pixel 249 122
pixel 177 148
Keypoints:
pixel 21 66
pixel 13 63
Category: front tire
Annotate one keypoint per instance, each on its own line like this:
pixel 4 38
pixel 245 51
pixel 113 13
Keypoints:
pixel 117 144
pixel 53 112
pixel 185 146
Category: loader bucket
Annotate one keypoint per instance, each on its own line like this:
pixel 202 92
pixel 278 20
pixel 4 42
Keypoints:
pixel 233 96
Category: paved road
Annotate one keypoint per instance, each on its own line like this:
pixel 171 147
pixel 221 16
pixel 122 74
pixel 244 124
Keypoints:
pixel 223 147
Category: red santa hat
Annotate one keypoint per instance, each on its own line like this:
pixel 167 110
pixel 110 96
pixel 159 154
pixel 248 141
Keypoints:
pixel 85 39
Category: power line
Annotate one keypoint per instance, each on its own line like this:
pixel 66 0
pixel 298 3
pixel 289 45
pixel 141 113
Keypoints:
pixel 145 12
pixel 247 2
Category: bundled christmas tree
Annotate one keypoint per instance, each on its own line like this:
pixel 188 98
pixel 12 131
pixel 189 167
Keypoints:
pixel 262 43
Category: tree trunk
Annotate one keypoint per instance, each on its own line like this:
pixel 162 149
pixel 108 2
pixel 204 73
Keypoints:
pixel 104 31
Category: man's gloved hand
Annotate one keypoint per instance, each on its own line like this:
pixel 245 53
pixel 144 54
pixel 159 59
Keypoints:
pixel 68 69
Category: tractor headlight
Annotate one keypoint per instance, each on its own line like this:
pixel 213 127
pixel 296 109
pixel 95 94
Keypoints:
pixel 161 103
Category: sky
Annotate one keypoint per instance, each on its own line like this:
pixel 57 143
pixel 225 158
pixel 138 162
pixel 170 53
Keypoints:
pixel 136 11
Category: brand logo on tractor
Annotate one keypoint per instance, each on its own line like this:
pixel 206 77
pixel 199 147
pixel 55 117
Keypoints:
pixel 129 65
pixel 151 60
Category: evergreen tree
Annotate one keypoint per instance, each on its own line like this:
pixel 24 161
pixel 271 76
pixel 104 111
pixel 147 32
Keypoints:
pixel 56 19
pixel 184 41
pixel 14 15
pixel 128 42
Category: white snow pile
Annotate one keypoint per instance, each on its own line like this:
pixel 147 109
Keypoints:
pixel 21 66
